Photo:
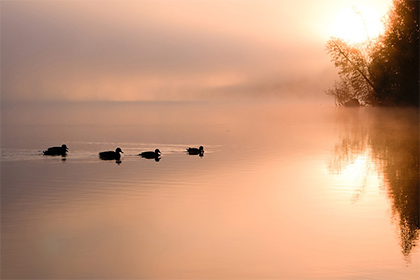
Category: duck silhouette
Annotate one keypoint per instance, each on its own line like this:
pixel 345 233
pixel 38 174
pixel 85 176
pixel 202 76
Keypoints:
pixel 151 155
pixel 56 151
pixel 196 151
pixel 110 155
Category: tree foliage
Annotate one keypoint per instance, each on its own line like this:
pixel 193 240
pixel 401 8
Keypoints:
pixel 385 71
pixel 395 57
pixel 353 67
pixel 341 92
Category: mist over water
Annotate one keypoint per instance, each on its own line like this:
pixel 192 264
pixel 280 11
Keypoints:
pixel 288 186
pixel 147 50
pixel 284 190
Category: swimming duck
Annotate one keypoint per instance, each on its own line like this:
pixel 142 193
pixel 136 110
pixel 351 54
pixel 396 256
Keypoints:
pixel 151 155
pixel 195 151
pixel 56 151
pixel 109 155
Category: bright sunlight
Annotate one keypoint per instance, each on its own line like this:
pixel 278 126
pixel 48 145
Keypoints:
pixel 356 24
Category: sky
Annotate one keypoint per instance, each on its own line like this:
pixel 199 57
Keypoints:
pixel 102 50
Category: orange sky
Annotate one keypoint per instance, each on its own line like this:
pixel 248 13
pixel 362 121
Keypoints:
pixel 167 50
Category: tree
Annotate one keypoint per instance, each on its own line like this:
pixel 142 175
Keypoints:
pixel 353 64
pixel 384 71
pixel 395 56
pixel 341 92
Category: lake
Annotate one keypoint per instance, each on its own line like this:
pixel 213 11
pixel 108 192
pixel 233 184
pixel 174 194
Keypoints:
pixel 283 191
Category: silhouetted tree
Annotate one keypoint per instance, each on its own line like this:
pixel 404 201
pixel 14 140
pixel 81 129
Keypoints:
pixel 384 71
pixel 395 56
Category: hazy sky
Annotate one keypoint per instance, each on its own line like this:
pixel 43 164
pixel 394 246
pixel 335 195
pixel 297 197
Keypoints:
pixel 166 49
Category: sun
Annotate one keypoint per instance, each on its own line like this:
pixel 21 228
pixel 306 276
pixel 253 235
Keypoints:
pixel 356 24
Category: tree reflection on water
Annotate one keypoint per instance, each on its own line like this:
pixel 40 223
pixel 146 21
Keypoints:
pixel 389 139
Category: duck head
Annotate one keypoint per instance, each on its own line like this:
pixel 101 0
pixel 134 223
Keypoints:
pixel 118 150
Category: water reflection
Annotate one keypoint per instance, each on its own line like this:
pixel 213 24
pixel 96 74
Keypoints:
pixel 385 142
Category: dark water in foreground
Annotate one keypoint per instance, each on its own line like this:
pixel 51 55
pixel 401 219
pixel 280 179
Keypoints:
pixel 282 192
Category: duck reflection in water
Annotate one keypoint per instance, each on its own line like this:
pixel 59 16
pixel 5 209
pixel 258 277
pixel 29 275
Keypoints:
pixel 151 155
pixel 196 151
pixel 57 151
pixel 112 155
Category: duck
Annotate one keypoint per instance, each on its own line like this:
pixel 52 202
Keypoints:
pixel 196 151
pixel 56 151
pixel 109 155
pixel 150 154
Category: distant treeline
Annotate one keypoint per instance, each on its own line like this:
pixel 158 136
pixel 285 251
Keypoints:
pixel 383 71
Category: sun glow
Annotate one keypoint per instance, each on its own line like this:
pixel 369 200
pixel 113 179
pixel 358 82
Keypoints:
pixel 359 176
pixel 356 24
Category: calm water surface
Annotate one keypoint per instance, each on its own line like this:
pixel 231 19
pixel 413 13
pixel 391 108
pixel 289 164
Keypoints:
pixel 282 192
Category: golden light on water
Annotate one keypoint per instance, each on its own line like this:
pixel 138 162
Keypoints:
pixel 289 187
pixel 361 171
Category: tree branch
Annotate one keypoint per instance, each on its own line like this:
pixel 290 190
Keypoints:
pixel 354 65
